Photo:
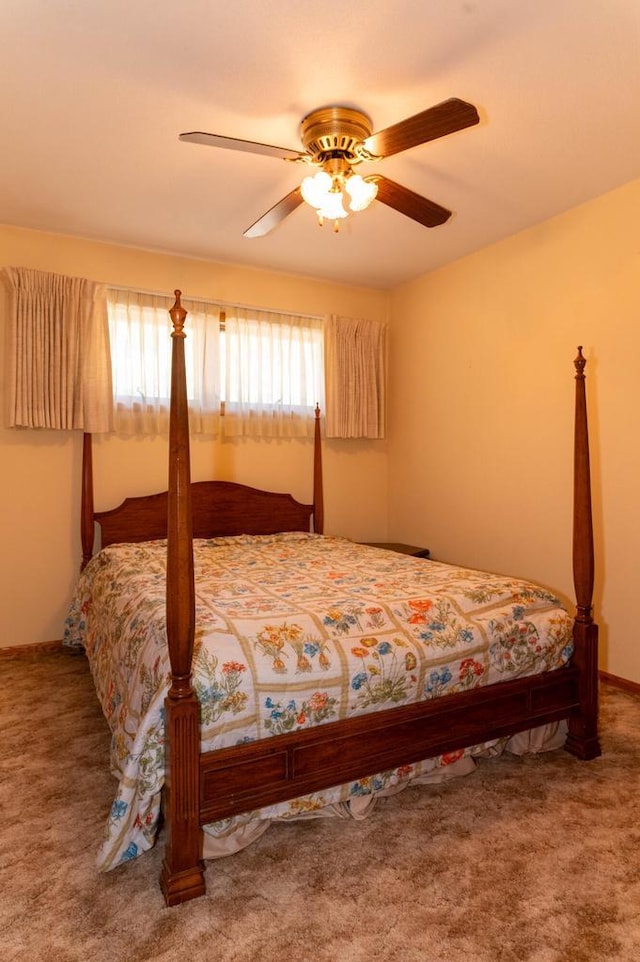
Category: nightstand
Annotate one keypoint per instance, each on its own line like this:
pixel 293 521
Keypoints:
pixel 400 548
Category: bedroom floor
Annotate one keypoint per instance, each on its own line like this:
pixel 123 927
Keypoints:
pixel 534 859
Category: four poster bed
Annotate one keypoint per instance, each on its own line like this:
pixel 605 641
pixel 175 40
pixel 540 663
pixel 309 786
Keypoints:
pixel 390 660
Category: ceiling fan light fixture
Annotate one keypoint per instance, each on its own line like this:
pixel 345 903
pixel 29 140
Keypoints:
pixel 323 192
pixel 328 193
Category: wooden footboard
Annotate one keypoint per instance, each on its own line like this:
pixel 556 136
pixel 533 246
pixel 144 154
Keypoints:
pixel 247 777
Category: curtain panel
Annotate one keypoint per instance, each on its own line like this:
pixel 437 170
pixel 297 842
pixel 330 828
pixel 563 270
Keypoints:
pixel 355 377
pixel 58 371
pixel 273 373
pixel 140 331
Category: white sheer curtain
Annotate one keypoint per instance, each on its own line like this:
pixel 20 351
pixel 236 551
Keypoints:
pixel 58 372
pixel 273 373
pixel 355 376
pixel 140 329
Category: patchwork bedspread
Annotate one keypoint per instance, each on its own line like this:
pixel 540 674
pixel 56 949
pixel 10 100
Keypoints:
pixel 293 630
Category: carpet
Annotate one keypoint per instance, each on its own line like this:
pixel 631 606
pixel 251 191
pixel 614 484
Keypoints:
pixel 534 858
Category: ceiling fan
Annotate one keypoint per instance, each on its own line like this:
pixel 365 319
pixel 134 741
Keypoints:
pixel 335 141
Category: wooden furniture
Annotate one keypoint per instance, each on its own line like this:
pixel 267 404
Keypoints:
pixel 400 548
pixel 202 788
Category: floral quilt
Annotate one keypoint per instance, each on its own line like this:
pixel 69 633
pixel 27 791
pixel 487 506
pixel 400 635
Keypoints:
pixel 292 630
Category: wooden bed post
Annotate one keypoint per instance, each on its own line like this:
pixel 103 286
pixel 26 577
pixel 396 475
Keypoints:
pixel 318 494
pixel 182 875
pixel 582 739
pixel 86 504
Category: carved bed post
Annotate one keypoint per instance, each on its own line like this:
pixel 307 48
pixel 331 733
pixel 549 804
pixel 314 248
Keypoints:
pixel 86 504
pixel 318 494
pixel 182 874
pixel 582 740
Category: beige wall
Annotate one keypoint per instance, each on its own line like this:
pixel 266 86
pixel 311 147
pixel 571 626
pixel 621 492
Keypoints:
pixel 40 476
pixel 481 417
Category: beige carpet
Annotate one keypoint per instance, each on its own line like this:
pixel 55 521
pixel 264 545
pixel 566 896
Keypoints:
pixel 533 859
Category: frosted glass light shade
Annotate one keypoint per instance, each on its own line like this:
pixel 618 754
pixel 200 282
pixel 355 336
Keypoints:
pixel 361 192
pixel 332 207
pixel 315 189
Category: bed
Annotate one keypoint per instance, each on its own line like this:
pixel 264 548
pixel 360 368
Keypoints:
pixel 252 668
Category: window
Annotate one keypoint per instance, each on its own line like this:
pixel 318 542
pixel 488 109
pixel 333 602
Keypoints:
pixel 263 369
pixel 272 372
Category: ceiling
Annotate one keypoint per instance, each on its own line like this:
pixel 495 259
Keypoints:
pixel 94 95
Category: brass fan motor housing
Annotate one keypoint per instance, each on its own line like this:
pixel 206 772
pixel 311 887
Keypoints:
pixel 335 132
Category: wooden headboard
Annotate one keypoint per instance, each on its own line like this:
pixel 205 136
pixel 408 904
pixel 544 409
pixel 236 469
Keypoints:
pixel 219 508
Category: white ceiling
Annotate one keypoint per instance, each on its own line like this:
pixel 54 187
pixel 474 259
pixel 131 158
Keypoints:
pixel 95 93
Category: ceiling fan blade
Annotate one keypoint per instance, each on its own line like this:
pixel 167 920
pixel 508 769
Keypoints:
pixel 409 203
pixel 434 122
pixel 233 143
pixel 275 215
